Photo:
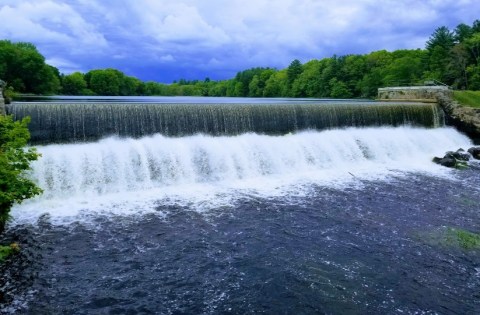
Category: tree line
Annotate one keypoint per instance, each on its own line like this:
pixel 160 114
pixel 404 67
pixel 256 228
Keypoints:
pixel 450 56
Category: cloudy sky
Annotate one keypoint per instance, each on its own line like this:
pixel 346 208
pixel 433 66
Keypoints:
pixel 165 40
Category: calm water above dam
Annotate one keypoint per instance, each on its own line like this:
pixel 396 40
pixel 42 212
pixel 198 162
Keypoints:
pixel 349 220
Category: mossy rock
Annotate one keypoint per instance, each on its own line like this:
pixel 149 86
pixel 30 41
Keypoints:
pixel 449 237
pixel 465 239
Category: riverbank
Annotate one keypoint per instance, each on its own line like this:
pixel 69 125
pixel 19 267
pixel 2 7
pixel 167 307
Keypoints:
pixel 467 98
pixel 464 117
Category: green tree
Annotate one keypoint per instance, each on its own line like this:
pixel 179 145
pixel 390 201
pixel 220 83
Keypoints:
pixel 473 44
pixel 439 47
pixel 458 66
pixel 254 89
pixel 293 71
pixel 105 81
pixel 14 163
pixel 406 68
pixel 462 32
pixel 74 84
pixel 307 84
pixel 24 68
pixel 339 89
pixel 276 85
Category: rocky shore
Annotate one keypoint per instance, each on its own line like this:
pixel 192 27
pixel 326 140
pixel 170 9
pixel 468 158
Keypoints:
pixel 465 119
pixel 458 159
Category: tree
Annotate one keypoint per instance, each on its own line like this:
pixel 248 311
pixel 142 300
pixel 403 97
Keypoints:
pixel 307 84
pixel 462 32
pixel 276 85
pixel 458 66
pixel 14 163
pixel 441 37
pixel 24 69
pixel 339 89
pixel 74 84
pixel 473 44
pixel 293 71
pixel 439 46
pixel 254 89
pixel 105 82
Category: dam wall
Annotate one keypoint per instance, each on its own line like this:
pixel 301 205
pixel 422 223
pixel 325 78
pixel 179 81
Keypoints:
pixel 427 94
pixel 465 119
pixel 80 122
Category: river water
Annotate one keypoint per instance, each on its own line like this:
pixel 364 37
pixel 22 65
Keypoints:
pixel 340 221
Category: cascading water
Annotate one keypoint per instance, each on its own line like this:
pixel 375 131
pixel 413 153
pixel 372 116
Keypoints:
pixel 150 165
pixel 65 122
pixel 242 208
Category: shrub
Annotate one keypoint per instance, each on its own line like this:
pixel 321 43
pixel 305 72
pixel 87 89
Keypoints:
pixel 15 161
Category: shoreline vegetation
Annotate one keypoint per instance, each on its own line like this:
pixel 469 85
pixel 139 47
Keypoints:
pixel 15 161
pixel 467 98
pixel 450 56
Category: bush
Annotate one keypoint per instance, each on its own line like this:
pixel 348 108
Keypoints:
pixel 14 163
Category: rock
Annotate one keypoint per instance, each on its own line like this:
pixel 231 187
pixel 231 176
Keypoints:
pixel 475 152
pixel 458 155
pixel 446 161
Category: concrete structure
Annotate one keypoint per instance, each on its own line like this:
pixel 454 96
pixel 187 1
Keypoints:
pixel 428 94
pixel 465 119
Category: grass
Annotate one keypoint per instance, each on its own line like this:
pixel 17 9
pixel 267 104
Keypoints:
pixel 468 98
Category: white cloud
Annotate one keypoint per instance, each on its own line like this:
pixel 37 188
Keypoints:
pixel 49 22
pixel 167 58
pixel 66 66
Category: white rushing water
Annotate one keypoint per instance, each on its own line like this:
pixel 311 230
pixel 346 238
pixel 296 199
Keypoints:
pixel 136 175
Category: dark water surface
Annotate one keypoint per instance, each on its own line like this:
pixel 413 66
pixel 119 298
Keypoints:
pixel 375 247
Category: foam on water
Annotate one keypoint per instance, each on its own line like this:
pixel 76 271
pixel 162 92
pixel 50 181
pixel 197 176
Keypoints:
pixel 131 176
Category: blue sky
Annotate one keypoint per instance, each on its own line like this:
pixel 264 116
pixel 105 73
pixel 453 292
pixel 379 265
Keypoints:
pixel 165 40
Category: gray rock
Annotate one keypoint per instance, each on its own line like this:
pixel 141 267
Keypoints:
pixel 475 152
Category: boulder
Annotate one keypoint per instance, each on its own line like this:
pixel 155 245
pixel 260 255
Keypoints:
pixel 446 161
pixel 458 155
pixel 475 152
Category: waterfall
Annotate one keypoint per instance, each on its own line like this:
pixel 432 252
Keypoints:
pixel 78 122
pixel 115 165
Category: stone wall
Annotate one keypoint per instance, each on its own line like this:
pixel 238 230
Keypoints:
pixel 413 93
pixel 465 119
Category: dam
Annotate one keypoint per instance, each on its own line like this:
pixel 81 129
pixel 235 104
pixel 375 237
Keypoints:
pixel 55 122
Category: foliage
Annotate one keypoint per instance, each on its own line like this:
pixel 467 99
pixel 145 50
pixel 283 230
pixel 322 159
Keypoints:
pixel 468 98
pixel 74 84
pixel 8 94
pixel 14 163
pixel 24 69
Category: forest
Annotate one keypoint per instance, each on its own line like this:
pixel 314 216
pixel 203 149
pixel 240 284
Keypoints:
pixel 450 57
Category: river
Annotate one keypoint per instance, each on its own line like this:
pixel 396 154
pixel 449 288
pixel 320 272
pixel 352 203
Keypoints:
pixel 348 220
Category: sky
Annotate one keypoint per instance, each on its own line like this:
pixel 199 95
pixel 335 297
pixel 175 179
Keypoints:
pixel 167 40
